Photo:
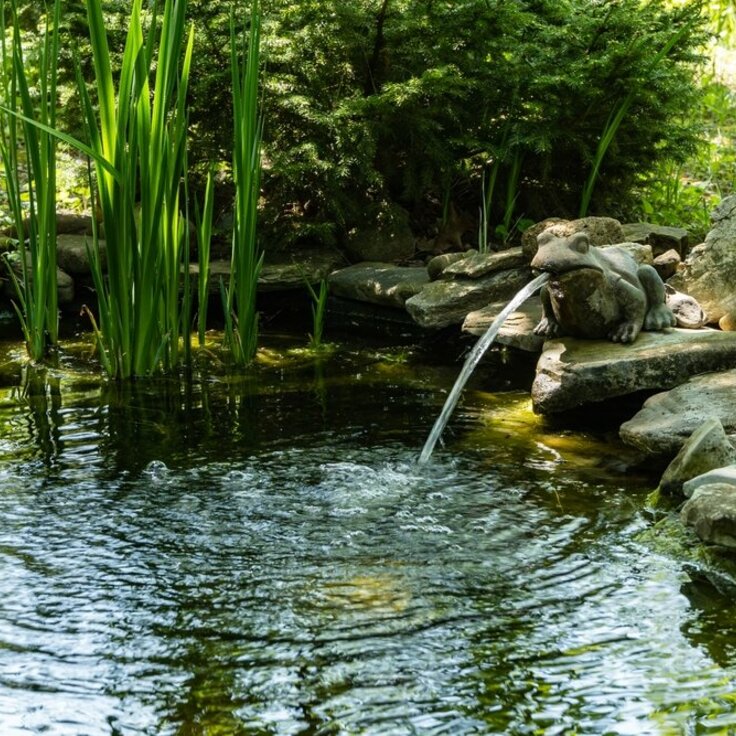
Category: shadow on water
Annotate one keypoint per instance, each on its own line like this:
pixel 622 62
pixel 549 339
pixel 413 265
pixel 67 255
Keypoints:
pixel 261 553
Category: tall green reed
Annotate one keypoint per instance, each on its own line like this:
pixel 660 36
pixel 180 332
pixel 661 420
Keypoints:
pixel 22 128
pixel 204 239
pixel 138 143
pixel 241 316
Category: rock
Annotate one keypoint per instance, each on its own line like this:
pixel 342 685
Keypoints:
pixel 726 475
pixel 72 253
pixel 667 263
pixel 712 513
pixel 687 311
pixel 443 303
pixel 728 322
pixel 438 264
pixel 707 448
pixel 64 282
pixel 385 237
pixel 517 330
pixel 667 419
pixel 641 253
pixel 477 265
pixel 285 271
pixel 572 372
pixel 709 272
pixel 378 283
pixel 661 237
pixel 67 223
pixel 601 231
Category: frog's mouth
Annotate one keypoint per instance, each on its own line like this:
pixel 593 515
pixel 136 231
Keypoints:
pixel 557 271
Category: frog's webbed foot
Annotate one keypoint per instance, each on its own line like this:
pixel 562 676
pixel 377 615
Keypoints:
pixel 659 317
pixel 625 332
pixel 547 328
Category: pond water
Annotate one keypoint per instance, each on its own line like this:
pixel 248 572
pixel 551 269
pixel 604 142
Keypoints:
pixel 262 555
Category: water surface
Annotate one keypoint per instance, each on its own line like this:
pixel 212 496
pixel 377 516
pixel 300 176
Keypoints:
pixel 261 554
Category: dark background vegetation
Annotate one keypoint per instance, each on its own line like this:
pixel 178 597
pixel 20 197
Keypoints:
pixel 412 102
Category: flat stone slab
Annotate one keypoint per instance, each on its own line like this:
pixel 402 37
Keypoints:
pixel 518 329
pixel 477 265
pixel 281 271
pixel 667 419
pixel 660 237
pixel 378 283
pixel 443 303
pixel 572 373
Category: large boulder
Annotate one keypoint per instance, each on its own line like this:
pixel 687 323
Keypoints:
pixel 571 373
pixel 712 513
pixel 667 419
pixel 72 253
pixel 600 230
pixel 378 283
pixel 442 303
pixel 64 282
pixel 709 272
pixel 707 448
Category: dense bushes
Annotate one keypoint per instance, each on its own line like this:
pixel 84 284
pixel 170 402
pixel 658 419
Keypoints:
pixel 410 101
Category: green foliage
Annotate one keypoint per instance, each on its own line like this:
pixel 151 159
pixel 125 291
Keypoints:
pixel 241 316
pixel 138 143
pixel 31 185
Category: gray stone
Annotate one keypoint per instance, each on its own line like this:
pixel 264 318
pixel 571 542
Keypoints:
pixel 443 303
pixel 726 475
pixel 64 282
pixel 600 230
pixel 517 330
pixel 661 237
pixel 572 372
pixel 477 265
pixel 712 513
pixel 707 448
pixel 688 313
pixel 667 263
pixel 378 283
pixel 709 272
pixel 72 253
pixel 439 263
pixel 640 252
pixel 283 271
pixel 667 419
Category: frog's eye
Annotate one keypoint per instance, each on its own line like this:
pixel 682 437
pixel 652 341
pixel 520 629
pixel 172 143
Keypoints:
pixel 580 243
pixel 544 237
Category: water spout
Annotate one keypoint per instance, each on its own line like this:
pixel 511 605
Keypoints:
pixel 485 341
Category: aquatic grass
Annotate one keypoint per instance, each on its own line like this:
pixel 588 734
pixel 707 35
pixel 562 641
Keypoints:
pixel 319 310
pixel 138 144
pixel 203 221
pixel 241 316
pixel 36 287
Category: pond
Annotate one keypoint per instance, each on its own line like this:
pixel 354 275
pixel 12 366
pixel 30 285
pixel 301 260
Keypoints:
pixel 261 554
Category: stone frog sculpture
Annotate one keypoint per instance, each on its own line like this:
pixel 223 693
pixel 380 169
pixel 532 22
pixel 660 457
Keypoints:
pixel 597 292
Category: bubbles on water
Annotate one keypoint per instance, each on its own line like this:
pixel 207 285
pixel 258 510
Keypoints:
pixel 157 471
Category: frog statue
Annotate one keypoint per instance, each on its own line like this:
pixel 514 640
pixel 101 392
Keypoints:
pixel 597 292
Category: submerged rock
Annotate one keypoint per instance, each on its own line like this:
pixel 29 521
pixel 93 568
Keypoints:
pixel 667 419
pixel 707 448
pixel 572 372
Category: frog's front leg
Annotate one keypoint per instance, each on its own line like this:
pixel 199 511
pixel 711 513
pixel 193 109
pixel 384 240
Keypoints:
pixel 633 304
pixel 659 315
pixel 548 326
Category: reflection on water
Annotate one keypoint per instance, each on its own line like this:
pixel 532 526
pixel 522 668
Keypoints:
pixel 263 555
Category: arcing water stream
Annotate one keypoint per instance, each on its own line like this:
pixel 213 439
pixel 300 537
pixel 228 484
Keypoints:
pixel 472 361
